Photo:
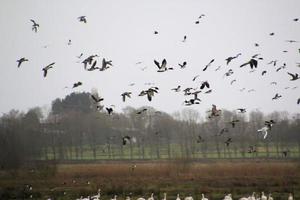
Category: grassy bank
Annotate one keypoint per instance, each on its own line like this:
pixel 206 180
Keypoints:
pixel 214 178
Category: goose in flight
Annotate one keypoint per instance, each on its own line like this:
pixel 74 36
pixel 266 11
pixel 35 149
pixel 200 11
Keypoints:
pixel 97 99
pixel 93 67
pixel 285 153
pixel 89 60
pixel 105 64
pixel 263 72
pixel 35 25
pixel 228 141
pixel 187 91
pixel 205 68
pixel 294 76
pixel 234 80
pixel 298 101
pixel 80 55
pixel 291 41
pixel 200 139
pixel 228 73
pixel 21 60
pixel 277 96
pixel 82 19
pixel 242 110
pixel 192 102
pixel 195 77
pixel 150 92
pixel 183 65
pixel 271 34
pixel 77 84
pixel 208 91
pixel 233 122
pixel 177 89
pixel 251 90
pixel 155 32
pixel 252 63
pixel 163 66
pixel 184 38
pixel 264 130
pixel 274 62
pixel 141 111
pixel 204 84
pixel 202 15
pixel 273 83
pixel 223 130
pixel 218 68
pixel 127 139
pixel 251 149
pixel 109 110
pixel 125 94
pixel 229 59
pixel 214 111
pixel 45 69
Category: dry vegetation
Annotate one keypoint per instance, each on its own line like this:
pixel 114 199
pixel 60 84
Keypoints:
pixel 212 178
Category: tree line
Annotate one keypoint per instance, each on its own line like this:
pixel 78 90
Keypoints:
pixel 75 129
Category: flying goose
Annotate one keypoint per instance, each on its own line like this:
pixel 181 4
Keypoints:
pixel 141 111
pixel 163 66
pixel 21 60
pixel 35 25
pixel 214 111
pixel 127 139
pixel 277 96
pixel 45 69
pixel 105 64
pixel 204 84
pixel 229 59
pixel 252 63
pixel 109 110
pixel 233 122
pixel 200 139
pixel 274 62
pixel 82 19
pixel 294 76
pixel 125 94
pixel 150 92
pixel 206 66
pixel 228 141
pixel 263 72
pixel 77 84
pixel 184 39
pixel 242 110
pixel 96 99
pixel 183 65
pixel 177 89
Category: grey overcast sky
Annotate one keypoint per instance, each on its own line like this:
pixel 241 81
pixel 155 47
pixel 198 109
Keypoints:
pixel 123 32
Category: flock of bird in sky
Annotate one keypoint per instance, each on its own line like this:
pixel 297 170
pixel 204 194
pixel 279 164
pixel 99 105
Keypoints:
pixel 91 63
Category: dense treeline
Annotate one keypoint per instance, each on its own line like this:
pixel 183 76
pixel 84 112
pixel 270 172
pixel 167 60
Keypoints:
pixel 74 129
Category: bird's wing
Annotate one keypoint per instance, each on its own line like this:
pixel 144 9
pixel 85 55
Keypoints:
pixel 164 63
pixel 244 64
pixel 157 64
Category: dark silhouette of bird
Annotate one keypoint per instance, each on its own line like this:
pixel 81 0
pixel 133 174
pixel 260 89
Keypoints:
pixel 281 67
pixel 252 63
pixel 234 80
pixel 197 22
pixel 21 60
pixel 125 94
pixel 187 91
pixel 229 59
pixel 298 101
pixel 263 72
pixel 291 41
pixel 177 89
pixel 69 42
pixel 271 34
pixel 109 110
pixel 89 60
pixel 93 66
pixel 274 62
pixel 204 84
pixel 127 139
pixel 183 65
pixel 285 153
pixel 200 139
pixel 294 76
pixel 45 69
pixel 82 19
pixel 184 38
pixel 80 55
pixel 228 141
pixel 223 130
pixel 251 90
pixel 242 110
pixel 163 66
pixel 228 73
pixel 155 32
pixel 205 68
pixel 195 77
pixel 141 111
pixel 202 15
pixel 77 84
pixel 105 64
pixel 150 92
pixel 296 19
pixel 97 99
pixel 192 102
pixel 256 44
pixel 269 124
pixel 233 122
pixel 35 26
pixel 214 111
pixel 218 68
pixel 208 92
pixel 277 96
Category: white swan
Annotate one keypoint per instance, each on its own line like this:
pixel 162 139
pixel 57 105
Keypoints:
pixel 263 196
pixel 290 197
pixel 189 198
pixel 97 196
pixel 178 198
pixel 165 196
pixel 203 197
